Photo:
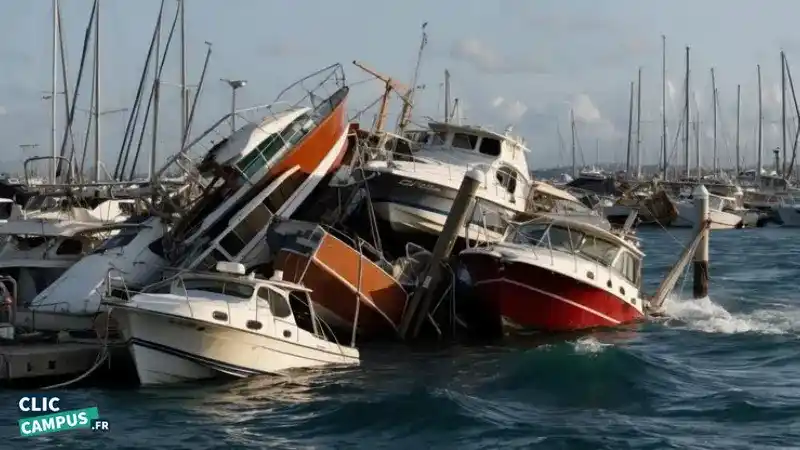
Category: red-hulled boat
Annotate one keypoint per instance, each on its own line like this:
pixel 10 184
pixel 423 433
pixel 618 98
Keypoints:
pixel 555 273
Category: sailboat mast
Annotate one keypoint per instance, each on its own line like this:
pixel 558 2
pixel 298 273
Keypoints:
pixel 630 133
pixel 714 110
pixel 639 126
pixel 446 96
pixel 156 99
pixel 96 85
pixel 698 168
pixel 782 171
pixel 184 92
pixel 686 110
pixel 54 96
pixel 738 117
pixel 664 106
pixel 572 124
pixel 760 126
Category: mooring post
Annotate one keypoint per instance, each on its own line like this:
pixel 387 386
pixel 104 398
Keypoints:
pixel 419 304
pixel 700 285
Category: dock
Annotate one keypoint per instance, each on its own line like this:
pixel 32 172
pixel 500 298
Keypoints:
pixel 26 361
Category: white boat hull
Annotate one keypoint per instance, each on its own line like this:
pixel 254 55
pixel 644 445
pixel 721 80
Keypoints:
pixel 168 349
pixel 720 220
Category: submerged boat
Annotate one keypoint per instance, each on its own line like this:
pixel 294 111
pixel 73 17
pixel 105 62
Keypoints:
pixel 202 325
pixel 360 287
pixel 555 273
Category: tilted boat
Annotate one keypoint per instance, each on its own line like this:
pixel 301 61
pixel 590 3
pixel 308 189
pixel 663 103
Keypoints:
pixel 555 273
pixel 201 325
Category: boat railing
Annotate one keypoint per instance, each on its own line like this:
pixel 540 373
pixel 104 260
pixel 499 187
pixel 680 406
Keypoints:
pixel 454 174
pixel 313 89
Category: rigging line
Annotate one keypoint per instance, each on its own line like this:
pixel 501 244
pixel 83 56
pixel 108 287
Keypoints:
pixel 155 86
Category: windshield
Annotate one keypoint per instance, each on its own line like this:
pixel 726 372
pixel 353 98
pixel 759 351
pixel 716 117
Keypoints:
pixel 219 287
pixel 120 240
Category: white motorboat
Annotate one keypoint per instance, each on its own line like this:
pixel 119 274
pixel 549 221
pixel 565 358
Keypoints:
pixel 200 325
pixel 414 193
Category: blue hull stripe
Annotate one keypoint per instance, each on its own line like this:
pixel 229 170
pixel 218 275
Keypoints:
pixel 231 369
pixel 440 212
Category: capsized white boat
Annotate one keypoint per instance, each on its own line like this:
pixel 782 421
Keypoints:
pixel 200 325
pixel 132 258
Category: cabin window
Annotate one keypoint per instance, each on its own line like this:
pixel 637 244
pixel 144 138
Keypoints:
pixel 70 247
pixel 599 250
pixel 122 239
pixel 211 260
pixel 269 147
pixel 507 178
pixel 5 210
pixel 278 306
pixel 490 146
pixel 244 231
pixel 302 310
pixel 461 140
pixel 529 234
pixel 564 238
pixel 278 197
pixel 628 266
pixel 219 287
pixel 438 138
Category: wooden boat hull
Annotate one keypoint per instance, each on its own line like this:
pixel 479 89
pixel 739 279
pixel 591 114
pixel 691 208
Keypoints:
pixel 336 272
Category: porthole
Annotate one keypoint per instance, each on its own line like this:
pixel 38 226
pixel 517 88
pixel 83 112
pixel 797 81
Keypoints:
pixel 254 324
pixel 622 290
pixel 609 284
pixel 590 275
pixel 219 315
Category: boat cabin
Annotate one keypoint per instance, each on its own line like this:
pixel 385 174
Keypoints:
pixel 582 240
pixel 245 302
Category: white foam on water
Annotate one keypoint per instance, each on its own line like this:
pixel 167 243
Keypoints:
pixel 589 345
pixel 705 315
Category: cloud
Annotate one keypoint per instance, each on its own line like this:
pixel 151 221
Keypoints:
pixel 3 110
pixel 584 109
pixel 509 111
pixel 487 59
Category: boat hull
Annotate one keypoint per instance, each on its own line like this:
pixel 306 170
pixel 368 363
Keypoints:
pixel 169 349
pixel 720 220
pixel 330 268
pixel 789 215
pixel 410 205
pixel 528 297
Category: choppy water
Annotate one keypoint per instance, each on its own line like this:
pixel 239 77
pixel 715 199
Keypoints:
pixel 723 373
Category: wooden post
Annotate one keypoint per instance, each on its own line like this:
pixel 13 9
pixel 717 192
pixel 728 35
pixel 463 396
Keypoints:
pixel 700 285
pixel 418 306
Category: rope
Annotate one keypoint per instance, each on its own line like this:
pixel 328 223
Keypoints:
pixel 102 356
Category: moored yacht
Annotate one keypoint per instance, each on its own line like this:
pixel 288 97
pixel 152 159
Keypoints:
pixel 414 193
pixel 201 325
pixel 555 273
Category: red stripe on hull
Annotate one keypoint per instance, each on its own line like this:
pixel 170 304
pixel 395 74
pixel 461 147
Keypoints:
pixel 539 299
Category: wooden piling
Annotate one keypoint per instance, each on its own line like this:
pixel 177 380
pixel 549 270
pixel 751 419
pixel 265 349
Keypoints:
pixel 700 284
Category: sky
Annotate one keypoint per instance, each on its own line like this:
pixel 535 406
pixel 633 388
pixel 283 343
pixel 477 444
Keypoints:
pixel 512 62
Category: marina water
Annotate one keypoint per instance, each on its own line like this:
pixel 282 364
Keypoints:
pixel 721 372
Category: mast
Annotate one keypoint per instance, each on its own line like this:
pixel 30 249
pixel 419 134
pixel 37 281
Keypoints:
pixel 714 109
pixel 760 126
pixel 639 126
pixel 96 94
pixel 664 106
pixel 698 164
pixel 686 110
pixel 184 92
pixel 446 96
pixel 572 124
pixel 738 108
pixel 156 98
pixel 630 132
pixel 55 94
pixel 782 171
